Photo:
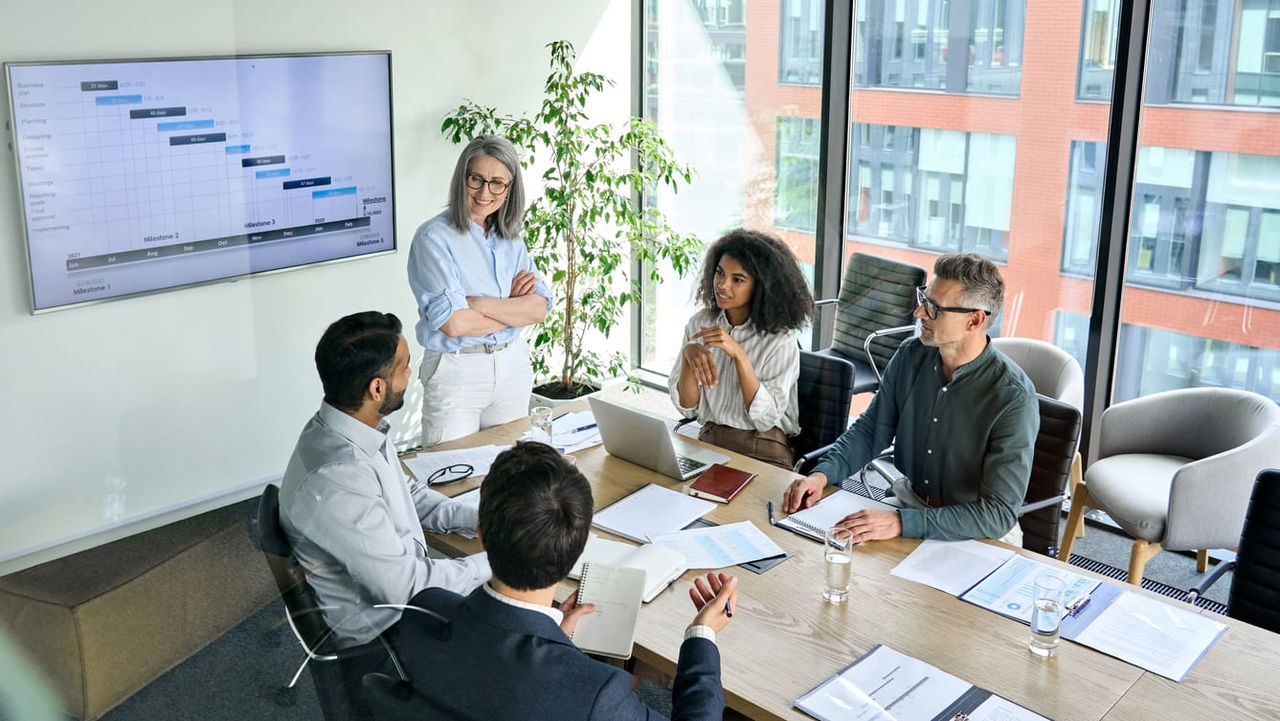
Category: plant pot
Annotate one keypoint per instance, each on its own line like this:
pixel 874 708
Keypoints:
pixel 552 394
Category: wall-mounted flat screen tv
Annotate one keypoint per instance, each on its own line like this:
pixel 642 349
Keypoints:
pixel 145 175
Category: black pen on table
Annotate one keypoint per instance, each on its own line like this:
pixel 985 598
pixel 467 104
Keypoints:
pixel 771 523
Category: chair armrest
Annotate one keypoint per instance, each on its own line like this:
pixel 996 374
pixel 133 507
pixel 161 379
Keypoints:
pixel 866 344
pixel 826 301
pixel 1046 503
pixel 805 463
pixel 1208 498
pixel 1199 589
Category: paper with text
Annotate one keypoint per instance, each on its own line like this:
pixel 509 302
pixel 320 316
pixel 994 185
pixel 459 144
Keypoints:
pixel 720 546
pixel 951 566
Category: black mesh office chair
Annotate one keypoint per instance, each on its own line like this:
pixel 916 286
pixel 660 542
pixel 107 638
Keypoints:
pixel 873 311
pixel 823 391
pixel 340 696
pixel 1255 586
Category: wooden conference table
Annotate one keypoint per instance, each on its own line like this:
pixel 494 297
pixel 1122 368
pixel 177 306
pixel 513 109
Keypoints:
pixel 784 639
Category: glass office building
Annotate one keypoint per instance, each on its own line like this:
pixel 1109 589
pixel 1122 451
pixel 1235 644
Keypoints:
pixel 980 126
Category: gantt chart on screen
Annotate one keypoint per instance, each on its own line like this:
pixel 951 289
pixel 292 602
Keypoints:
pixel 148 175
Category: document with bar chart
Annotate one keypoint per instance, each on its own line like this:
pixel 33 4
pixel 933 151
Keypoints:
pixel 141 176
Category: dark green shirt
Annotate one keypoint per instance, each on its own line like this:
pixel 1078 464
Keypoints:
pixel 965 445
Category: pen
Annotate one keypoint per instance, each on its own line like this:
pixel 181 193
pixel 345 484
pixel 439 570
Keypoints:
pixel 771 513
pixel 728 609
pixel 587 427
pixel 1078 605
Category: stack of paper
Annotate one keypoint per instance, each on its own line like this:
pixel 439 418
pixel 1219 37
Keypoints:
pixel 651 511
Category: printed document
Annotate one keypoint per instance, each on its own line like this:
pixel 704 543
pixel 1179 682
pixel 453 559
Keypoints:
pixel 1009 590
pixel 720 546
pixel 951 566
pixel 1147 632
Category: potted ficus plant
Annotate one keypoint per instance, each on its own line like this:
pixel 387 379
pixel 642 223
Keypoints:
pixel 588 225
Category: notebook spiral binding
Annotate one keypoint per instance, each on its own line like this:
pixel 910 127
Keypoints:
pixel 582 589
pixel 821 533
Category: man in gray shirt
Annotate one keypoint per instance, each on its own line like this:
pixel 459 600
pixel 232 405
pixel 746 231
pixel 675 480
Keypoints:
pixel 962 419
pixel 354 519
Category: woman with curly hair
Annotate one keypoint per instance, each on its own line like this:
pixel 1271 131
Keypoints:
pixel 737 369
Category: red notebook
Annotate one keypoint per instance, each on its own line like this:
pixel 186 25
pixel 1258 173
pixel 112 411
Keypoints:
pixel 720 483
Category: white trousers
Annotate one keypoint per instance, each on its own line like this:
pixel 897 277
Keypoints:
pixel 466 392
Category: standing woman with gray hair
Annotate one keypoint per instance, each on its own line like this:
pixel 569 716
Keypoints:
pixel 476 289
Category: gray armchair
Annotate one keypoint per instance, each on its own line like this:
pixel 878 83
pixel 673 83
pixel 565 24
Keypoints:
pixel 1175 469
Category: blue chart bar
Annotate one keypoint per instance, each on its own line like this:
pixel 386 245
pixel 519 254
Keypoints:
pixel 351 190
pixel 306 183
pixel 118 100
pixel 237 149
pixel 184 125
pixel 277 173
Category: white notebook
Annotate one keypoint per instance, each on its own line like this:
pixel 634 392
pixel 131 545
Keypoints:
pixel 616 592
pixel 815 520
pixel 661 565
pixel 651 511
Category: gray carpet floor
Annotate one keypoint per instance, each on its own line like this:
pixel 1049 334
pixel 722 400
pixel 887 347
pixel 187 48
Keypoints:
pixel 239 676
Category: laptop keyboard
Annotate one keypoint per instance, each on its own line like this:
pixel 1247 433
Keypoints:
pixel 688 465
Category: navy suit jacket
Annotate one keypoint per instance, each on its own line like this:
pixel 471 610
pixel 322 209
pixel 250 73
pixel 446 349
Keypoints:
pixel 497 661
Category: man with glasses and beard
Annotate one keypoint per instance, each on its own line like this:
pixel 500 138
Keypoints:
pixel 961 417
pixel 354 519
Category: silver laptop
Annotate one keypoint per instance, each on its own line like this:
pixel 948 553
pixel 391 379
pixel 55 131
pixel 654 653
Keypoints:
pixel 646 440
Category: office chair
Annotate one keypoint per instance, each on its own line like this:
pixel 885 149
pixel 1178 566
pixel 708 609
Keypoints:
pixel 338 700
pixel 1055 458
pixel 1174 470
pixel 877 298
pixel 824 390
pixel 1255 588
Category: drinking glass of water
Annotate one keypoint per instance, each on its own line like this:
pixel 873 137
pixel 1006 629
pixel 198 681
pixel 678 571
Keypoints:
pixel 1046 616
pixel 839 552
pixel 540 422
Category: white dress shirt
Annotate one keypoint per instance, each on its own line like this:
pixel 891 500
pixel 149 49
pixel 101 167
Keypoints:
pixel 356 524
pixel 776 359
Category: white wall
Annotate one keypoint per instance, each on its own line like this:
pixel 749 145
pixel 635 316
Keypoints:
pixel 200 393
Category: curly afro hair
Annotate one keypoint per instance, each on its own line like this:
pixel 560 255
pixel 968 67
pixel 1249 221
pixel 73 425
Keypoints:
pixel 780 299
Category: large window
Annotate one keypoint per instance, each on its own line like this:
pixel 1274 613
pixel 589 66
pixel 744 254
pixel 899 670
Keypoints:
pixel 796 192
pixel 958 46
pixel 962 136
pixel 1214 52
pixel 800 42
pixel 943 190
pixel 752 139
pixel 1203 222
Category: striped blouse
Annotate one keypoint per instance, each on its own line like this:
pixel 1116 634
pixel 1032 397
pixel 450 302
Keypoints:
pixel 776 359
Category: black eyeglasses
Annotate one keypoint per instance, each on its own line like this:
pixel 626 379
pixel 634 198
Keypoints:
pixel 449 474
pixel 931 308
pixel 497 186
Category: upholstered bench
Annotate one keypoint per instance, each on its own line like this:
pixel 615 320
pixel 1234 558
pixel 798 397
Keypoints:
pixel 103 623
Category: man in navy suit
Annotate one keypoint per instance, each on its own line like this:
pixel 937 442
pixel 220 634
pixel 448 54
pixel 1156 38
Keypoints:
pixel 504 651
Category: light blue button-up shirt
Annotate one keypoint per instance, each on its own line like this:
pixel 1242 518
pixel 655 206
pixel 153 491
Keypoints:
pixel 446 266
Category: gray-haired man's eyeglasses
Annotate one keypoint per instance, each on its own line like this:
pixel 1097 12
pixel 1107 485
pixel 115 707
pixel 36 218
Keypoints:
pixel 931 309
